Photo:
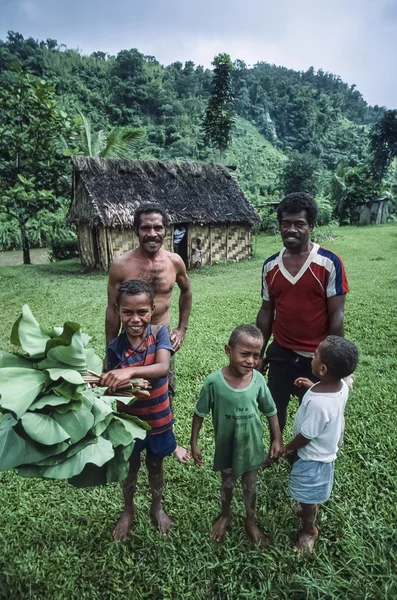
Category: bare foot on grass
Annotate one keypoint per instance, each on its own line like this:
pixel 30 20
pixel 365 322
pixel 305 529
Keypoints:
pixel 181 454
pixel 219 527
pixel 123 526
pixel 161 519
pixel 256 536
pixel 305 542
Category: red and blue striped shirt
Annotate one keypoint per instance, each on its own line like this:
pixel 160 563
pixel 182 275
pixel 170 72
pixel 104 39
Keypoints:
pixel 155 410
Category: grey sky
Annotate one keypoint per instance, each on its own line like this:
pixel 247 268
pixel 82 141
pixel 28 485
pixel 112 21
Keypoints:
pixel 356 39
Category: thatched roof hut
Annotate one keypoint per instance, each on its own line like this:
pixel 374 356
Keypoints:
pixel 204 197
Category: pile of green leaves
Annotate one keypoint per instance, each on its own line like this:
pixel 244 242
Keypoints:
pixel 54 425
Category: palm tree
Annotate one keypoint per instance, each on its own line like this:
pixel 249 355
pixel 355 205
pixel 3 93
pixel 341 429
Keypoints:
pixel 119 142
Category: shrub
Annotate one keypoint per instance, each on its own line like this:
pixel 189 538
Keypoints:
pixel 64 248
pixel 324 210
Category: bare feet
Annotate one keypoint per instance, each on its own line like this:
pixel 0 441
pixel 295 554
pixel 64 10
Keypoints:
pixel 123 526
pixel 305 542
pixel 255 534
pixel 181 454
pixel 161 519
pixel 219 527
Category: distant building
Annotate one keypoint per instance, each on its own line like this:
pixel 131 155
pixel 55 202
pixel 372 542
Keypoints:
pixel 203 197
pixel 371 213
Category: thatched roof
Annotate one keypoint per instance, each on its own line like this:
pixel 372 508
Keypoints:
pixel 189 192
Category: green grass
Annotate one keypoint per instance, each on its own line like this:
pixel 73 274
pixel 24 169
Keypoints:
pixel 55 541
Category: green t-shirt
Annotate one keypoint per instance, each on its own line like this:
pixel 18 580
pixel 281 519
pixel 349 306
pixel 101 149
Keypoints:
pixel 237 423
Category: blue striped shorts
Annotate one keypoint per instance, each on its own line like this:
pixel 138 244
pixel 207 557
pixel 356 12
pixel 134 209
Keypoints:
pixel 310 481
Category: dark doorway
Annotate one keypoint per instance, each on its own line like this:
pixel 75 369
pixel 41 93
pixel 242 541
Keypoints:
pixel 180 240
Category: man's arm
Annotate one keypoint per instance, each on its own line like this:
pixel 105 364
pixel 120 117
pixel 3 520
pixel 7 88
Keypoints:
pixel 185 304
pixel 264 320
pixel 112 321
pixel 336 313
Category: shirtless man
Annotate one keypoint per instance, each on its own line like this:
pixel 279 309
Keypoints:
pixel 162 270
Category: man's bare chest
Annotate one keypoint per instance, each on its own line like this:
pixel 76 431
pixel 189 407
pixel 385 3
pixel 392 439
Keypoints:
pixel 160 276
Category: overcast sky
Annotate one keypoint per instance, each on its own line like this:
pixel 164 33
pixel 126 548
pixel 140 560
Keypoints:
pixel 356 39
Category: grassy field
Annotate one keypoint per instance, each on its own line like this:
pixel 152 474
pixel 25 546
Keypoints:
pixel 55 541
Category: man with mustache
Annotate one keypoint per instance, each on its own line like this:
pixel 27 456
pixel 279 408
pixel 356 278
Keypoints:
pixel 303 297
pixel 161 269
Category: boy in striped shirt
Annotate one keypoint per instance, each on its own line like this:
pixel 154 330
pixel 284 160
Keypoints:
pixel 143 350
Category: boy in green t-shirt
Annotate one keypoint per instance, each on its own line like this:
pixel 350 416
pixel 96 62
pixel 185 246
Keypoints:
pixel 235 395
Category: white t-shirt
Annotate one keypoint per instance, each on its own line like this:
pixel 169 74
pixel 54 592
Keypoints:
pixel 320 419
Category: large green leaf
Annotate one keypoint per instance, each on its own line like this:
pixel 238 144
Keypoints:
pixel 69 390
pixel 13 360
pixel 96 454
pixel 121 432
pixel 7 421
pixel 143 424
pixel 69 375
pixel 19 388
pixel 15 451
pixel 94 362
pixel 31 471
pixel 100 410
pixel 101 426
pixel 69 348
pixel 76 423
pixel 43 429
pixel 28 334
pixel 50 400
pixel 117 468
pixel 71 405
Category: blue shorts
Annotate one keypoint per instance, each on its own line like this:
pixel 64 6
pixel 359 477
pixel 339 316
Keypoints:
pixel 160 444
pixel 310 481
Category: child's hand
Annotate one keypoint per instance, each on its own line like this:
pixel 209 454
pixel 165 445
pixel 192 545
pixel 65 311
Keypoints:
pixel 115 379
pixel 276 449
pixel 303 382
pixel 196 454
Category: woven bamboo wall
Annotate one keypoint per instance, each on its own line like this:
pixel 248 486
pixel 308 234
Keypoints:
pixel 98 247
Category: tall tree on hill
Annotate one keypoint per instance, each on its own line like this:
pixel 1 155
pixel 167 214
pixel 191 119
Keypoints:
pixel 300 174
pixel 219 116
pixel 31 167
pixel 383 144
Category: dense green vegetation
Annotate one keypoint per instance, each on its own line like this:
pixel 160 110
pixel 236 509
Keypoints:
pixel 56 540
pixel 131 105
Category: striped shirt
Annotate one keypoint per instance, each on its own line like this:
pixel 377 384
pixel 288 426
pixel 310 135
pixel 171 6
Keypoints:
pixel 155 410
pixel 301 320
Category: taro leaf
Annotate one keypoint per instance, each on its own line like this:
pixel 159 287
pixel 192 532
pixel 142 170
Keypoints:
pixel 69 390
pixel 69 375
pixel 54 331
pixel 94 363
pixel 31 471
pixel 13 360
pixel 43 429
pixel 28 334
pixel 96 454
pixel 80 445
pixel 69 348
pixel 48 363
pixel 19 388
pixel 101 426
pixel 71 405
pixel 121 432
pixel 144 424
pixel 117 468
pixel 15 451
pixel 100 410
pixel 7 421
pixel 49 400
pixel 90 476
pixel 76 423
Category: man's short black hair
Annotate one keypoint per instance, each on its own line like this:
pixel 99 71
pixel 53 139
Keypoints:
pixel 296 202
pixel 339 356
pixel 133 287
pixel 248 330
pixel 146 209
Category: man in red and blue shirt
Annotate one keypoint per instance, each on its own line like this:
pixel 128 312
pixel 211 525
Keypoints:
pixel 303 299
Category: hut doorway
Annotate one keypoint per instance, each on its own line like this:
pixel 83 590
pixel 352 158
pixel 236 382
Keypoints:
pixel 180 241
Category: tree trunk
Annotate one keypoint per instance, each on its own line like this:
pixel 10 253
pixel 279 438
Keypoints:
pixel 25 243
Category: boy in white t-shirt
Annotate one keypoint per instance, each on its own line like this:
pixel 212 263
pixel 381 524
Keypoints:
pixel 317 430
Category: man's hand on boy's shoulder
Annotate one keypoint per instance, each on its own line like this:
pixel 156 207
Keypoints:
pixel 196 454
